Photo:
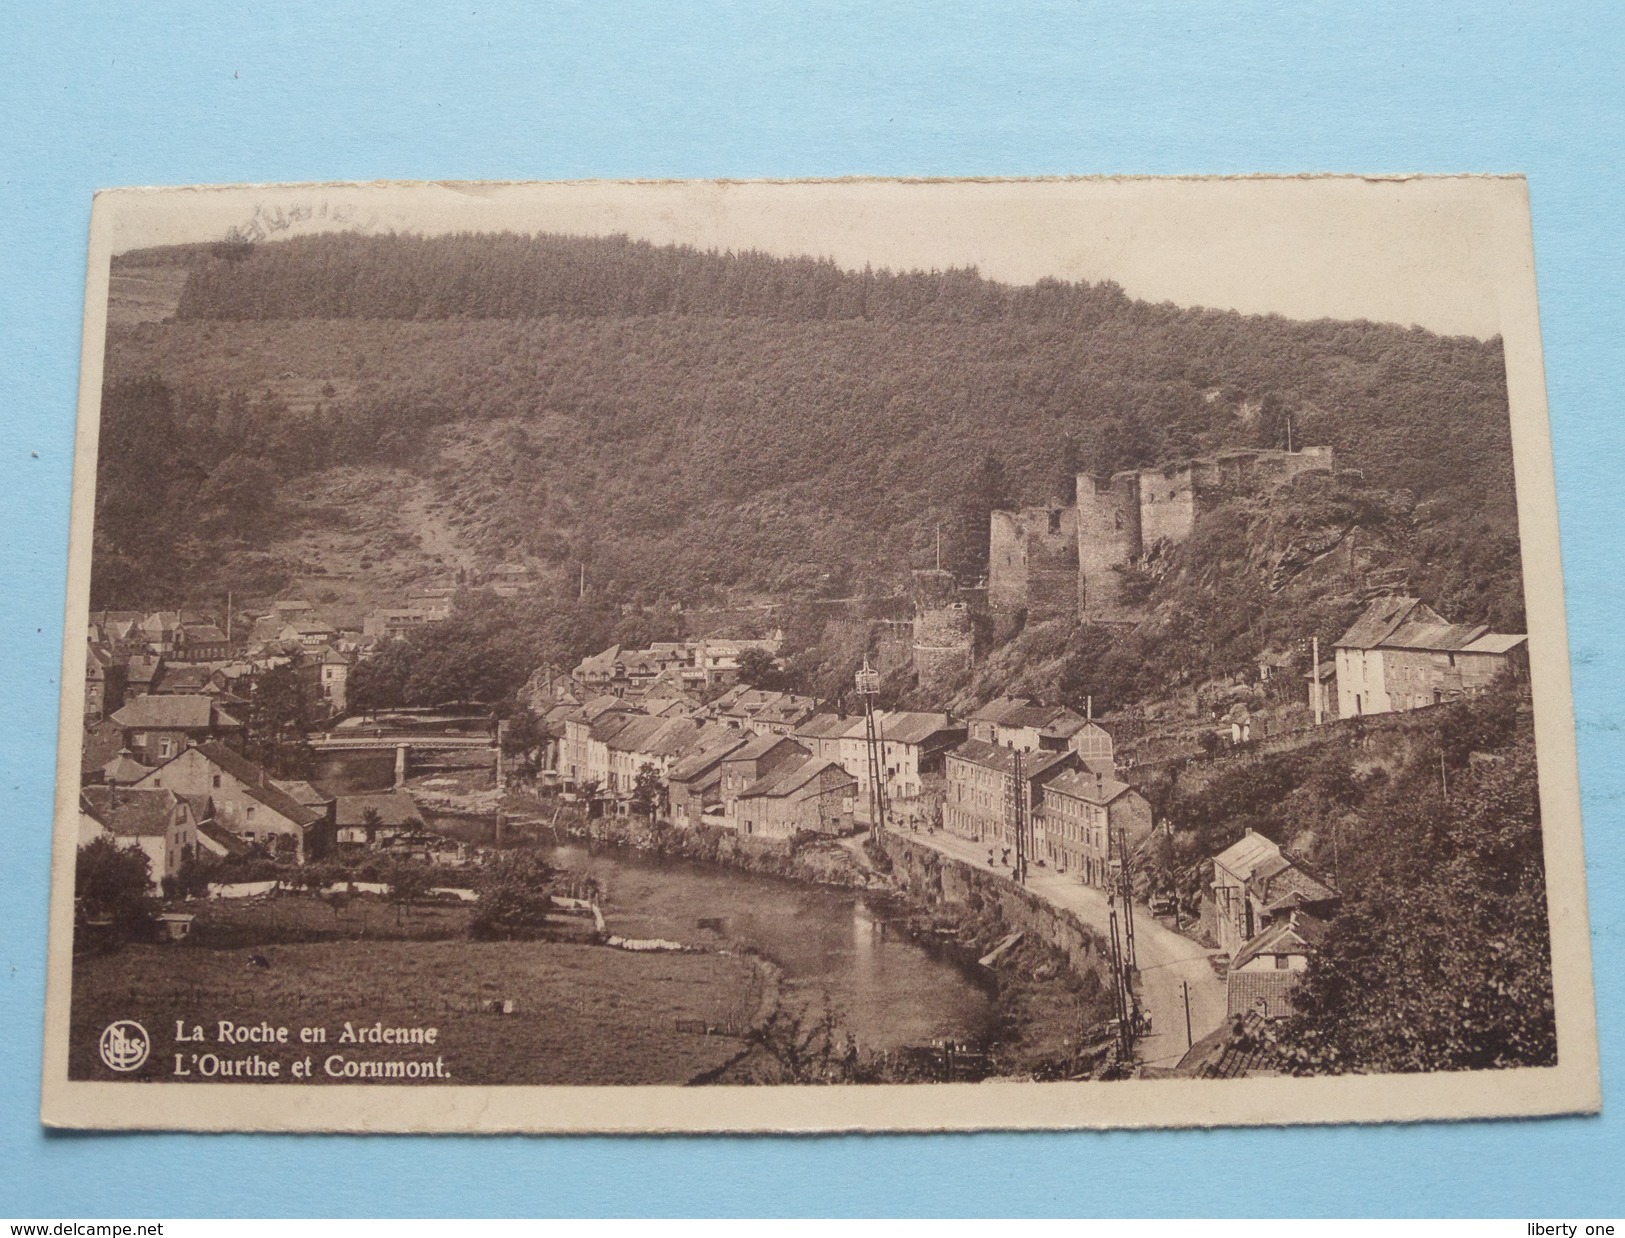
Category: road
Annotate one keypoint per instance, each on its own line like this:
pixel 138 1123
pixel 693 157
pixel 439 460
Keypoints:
pixel 1167 960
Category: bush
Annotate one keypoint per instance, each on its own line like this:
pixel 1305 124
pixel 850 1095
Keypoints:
pixel 513 898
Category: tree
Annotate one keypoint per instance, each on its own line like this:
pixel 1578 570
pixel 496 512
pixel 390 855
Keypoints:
pixel 408 882
pixel 371 821
pixel 1443 959
pixel 513 896
pixel 279 713
pixel 524 737
pixel 757 668
pixel 115 882
pixel 798 1046
pixel 648 791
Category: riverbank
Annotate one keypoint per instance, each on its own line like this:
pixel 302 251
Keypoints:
pixel 1048 986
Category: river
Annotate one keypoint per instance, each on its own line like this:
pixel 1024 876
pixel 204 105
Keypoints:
pixel 835 948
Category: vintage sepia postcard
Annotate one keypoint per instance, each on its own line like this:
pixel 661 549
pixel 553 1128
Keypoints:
pixel 803 656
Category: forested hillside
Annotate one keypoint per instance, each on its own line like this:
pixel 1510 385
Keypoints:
pixel 682 422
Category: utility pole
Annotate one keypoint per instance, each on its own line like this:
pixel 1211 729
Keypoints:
pixel 1444 781
pixel 1126 882
pixel 868 686
pixel 228 621
pixel 1319 690
pixel 1186 986
pixel 1120 987
pixel 581 592
pixel 939 545
pixel 1018 816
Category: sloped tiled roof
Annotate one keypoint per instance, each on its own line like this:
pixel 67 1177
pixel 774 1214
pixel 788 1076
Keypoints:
pixel 792 778
pixel 1090 788
pixel 1268 993
pixel 129 813
pixel 394 808
pixel 1000 708
pixel 698 764
pixel 256 782
pixel 1377 621
pixel 1233 1051
pixel 124 769
pixel 228 841
pixel 306 793
pixel 760 746
pixel 1419 634
pixel 823 726
pixel 996 757
pixel 1298 933
pixel 181 712
pixel 1247 854
pixel 1496 642
pixel 913 727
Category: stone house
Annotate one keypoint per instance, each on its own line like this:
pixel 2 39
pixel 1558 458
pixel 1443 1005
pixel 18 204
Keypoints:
pixel 695 783
pixel 247 801
pixel 1264 973
pixel 982 787
pixel 161 825
pixel 913 748
pixel 1081 817
pixel 202 642
pixel 104 682
pixel 157 727
pixel 812 796
pixel 374 819
pixel 583 757
pixel 657 743
pixel 1401 655
pixel 749 764
pixel 1255 884
pixel 821 733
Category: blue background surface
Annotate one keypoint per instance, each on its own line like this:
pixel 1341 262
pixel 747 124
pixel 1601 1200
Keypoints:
pixel 171 94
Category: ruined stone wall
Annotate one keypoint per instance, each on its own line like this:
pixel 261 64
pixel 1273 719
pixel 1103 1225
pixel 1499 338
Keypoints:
pixel 933 587
pixel 1033 561
pixel 1109 533
pixel 1254 472
pixel 1006 563
pixel 1168 504
pixel 942 642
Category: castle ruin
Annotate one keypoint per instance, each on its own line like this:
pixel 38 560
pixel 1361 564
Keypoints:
pixel 1061 560
pixel 943 633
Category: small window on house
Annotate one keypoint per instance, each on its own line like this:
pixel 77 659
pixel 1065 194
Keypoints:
pixel 215 781
pixel 1055 522
pixel 249 812
pixel 1281 962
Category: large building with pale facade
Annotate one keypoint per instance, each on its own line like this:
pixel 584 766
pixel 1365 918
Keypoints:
pixel 1400 655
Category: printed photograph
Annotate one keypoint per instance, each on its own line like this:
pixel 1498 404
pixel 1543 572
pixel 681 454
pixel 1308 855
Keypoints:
pixel 722 637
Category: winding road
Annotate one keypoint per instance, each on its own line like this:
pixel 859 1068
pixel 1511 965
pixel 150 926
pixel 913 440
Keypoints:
pixel 1167 960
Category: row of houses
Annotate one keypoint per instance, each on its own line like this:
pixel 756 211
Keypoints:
pixel 695 667
pixel 209 800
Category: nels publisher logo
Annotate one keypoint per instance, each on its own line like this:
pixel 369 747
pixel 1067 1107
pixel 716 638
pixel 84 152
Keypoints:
pixel 125 1045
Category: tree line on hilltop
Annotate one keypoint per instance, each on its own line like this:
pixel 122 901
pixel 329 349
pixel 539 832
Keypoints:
pixel 685 423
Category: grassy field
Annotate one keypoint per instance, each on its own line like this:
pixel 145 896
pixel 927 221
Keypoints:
pixel 582 1014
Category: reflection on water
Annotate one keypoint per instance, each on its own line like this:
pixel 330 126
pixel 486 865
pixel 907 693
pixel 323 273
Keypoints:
pixel 834 948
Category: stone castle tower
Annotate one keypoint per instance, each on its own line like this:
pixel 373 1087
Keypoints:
pixel 1059 560
pixel 943 635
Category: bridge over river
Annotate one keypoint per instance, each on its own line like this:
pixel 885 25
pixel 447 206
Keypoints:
pixel 404 744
